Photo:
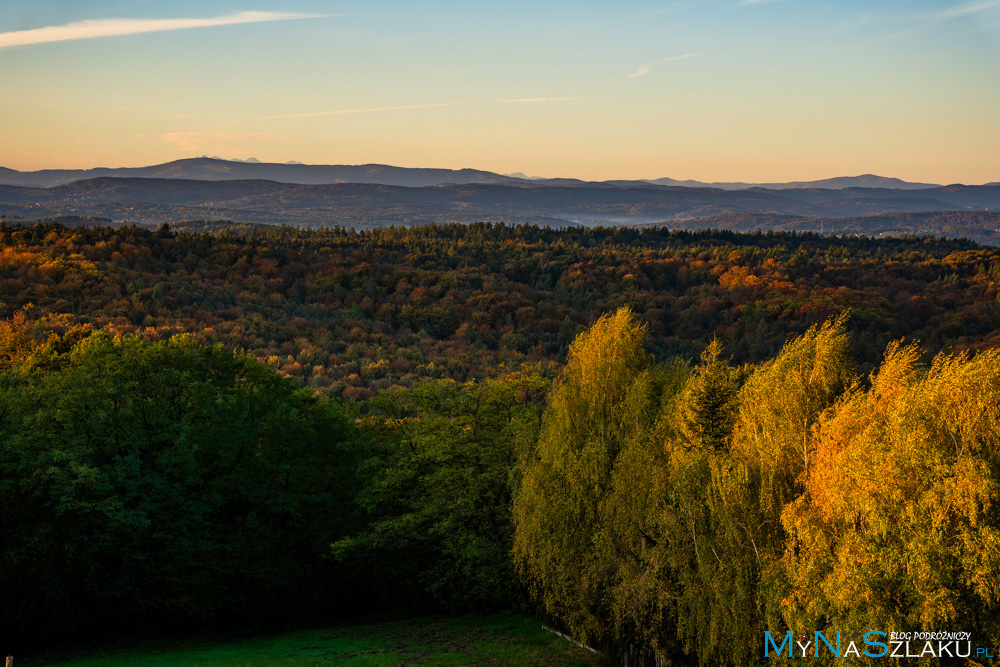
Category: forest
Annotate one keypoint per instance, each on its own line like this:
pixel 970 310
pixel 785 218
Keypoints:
pixel 668 439
pixel 350 313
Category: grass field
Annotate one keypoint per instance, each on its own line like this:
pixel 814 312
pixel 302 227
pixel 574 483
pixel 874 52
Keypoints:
pixel 497 639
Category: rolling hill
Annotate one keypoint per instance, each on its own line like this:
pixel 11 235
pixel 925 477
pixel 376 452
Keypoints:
pixel 217 169
pixel 214 169
pixel 153 200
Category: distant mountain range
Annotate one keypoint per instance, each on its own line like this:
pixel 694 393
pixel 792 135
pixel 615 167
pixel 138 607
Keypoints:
pixel 154 200
pixel 218 169
pixel 843 182
pixel 372 195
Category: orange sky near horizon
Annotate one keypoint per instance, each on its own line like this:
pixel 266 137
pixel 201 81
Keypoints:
pixel 747 90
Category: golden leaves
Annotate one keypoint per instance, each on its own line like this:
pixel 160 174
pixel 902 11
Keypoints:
pixel 903 484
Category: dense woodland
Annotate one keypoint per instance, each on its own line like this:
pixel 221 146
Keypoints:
pixel 669 439
pixel 980 226
pixel 353 313
pixel 694 508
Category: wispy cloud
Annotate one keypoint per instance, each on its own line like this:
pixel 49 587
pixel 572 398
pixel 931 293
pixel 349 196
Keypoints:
pixel 855 21
pixel 968 8
pixel 989 10
pixel 232 142
pixel 368 110
pixel 125 26
pixel 643 70
pixel 527 100
pixel 757 2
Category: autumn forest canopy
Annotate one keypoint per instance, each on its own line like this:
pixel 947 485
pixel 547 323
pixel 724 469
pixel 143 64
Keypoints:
pixel 662 438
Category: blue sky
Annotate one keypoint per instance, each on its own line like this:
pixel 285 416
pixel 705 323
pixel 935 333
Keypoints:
pixel 734 90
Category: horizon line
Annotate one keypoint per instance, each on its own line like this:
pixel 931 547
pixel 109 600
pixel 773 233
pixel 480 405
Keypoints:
pixel 295 163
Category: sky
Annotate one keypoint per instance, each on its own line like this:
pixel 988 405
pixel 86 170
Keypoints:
pixel 712 90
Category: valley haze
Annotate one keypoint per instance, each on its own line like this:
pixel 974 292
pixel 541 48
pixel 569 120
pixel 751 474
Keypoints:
pixel 372 195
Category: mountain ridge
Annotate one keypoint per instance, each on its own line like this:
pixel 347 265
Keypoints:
pixel 218 169
pixel 255 200
pixel 836 183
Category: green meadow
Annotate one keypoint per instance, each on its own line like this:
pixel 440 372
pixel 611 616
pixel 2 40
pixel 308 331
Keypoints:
pixel 496 639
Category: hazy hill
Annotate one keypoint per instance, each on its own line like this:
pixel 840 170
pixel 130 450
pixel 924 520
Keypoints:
pixel 214 169
pixel 217 169
pixel 166 200
pixel 864 181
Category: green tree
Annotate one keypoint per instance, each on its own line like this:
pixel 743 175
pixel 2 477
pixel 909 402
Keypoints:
pixel 437 500
pixel 580 509
pixel 711 401
pixel 732 441
pixel 162 485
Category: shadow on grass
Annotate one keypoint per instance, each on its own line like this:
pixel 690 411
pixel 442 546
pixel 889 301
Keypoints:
pixel 495 639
